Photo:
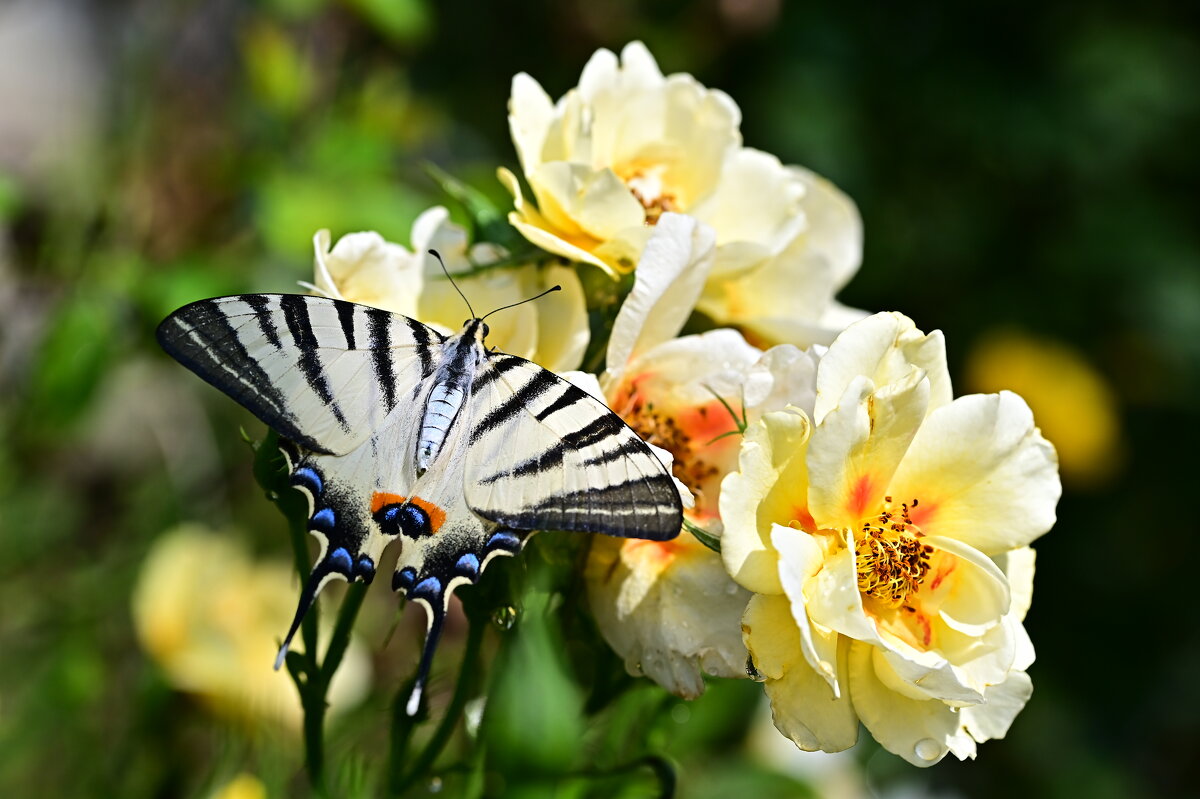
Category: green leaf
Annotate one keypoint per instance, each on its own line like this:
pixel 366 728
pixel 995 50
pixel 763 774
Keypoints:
pixel 703 536
pixel 533 721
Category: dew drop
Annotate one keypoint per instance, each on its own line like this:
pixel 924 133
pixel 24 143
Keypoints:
pixel 435 785
pixel 754 673
pixel 731 589
pixel 927 749
pixel 504 617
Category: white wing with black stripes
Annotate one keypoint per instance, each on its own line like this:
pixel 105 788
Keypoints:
pixel 545 454
pixel 322 373
pixel 395 432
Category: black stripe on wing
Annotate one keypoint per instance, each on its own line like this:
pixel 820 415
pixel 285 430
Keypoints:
pixel 295 313
pixel 641 508
pixel 202 338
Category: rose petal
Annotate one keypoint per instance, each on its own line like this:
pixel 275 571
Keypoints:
pixel 921 732
pixel 886 348
pixel 858 446
pixel 769 486
pixel 803 706
pixel 982 472
pixel 800 559
pixel 668 280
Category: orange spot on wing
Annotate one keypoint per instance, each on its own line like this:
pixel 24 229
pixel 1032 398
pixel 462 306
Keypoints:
pixel 437 516
pixel 380 500
pixel 860 495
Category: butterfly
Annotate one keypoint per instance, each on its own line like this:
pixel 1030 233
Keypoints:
pixel 394 431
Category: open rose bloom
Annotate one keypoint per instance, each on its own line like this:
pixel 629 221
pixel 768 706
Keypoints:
pixel 630 145
pixel 886 539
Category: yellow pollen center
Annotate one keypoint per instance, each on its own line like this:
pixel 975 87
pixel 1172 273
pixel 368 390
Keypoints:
pixel 890 560
pixel 662 431
pixel 646 185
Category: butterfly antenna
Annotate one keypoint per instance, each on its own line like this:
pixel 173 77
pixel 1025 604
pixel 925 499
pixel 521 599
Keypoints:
pixel 438 255
pixel 312 587
pixel 522 302
pixel 434 633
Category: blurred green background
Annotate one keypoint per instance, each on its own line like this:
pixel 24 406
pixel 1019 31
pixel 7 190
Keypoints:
pixel 1026 173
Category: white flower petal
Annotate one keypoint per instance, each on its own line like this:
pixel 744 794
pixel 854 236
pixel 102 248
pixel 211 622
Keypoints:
pixel 803 706
pixel 530 113
pixel 921 732
pixel 858 446
pixel 783 376
pixel 668 609
pixel 982 472
pixel 562 319
pixel 800 559
pixel 1002 703
pixel 1018 567
pixel 886 348
pixel 769 487
pixel 669 278
pixel 974 597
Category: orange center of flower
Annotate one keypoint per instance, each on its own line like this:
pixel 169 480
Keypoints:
pixel 890 560
pixel 646 185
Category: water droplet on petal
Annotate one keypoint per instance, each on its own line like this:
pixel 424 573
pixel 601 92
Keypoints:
pixel 928 749
pixel 754 673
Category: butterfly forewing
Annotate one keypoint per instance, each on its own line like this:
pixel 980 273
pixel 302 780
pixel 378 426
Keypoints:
pixel 545 454
pixel 323 373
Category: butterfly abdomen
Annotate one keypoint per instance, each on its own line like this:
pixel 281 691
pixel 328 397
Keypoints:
pixel 451 388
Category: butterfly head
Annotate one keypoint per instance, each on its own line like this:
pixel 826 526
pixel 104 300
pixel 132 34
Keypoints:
pixel 476 329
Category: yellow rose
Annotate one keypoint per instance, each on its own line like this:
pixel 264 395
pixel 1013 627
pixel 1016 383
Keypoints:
pixel 887 546
pixel 610 160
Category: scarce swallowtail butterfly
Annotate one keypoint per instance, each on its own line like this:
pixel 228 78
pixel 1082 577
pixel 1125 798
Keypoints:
pixel 395 431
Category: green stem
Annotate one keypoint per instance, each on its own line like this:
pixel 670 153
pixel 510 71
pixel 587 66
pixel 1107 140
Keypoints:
pixel 347 613
pixel 467 679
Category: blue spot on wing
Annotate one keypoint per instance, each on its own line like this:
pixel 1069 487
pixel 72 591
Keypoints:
pixel 324 519
pixel 468 565
pixel 310 479
pixel 503 539
pixel 404 579
pixel 340 560
pixel 429 589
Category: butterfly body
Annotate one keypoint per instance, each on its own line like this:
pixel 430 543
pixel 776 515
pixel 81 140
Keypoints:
pixel 395 432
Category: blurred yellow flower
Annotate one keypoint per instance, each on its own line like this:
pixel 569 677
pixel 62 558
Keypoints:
pixel 211 618
pixel 628 146
pixel 363 267
pixel 243 786
pixel 1075 406
pixel 887 546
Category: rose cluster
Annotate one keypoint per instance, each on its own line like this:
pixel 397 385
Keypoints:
pixel 859 539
